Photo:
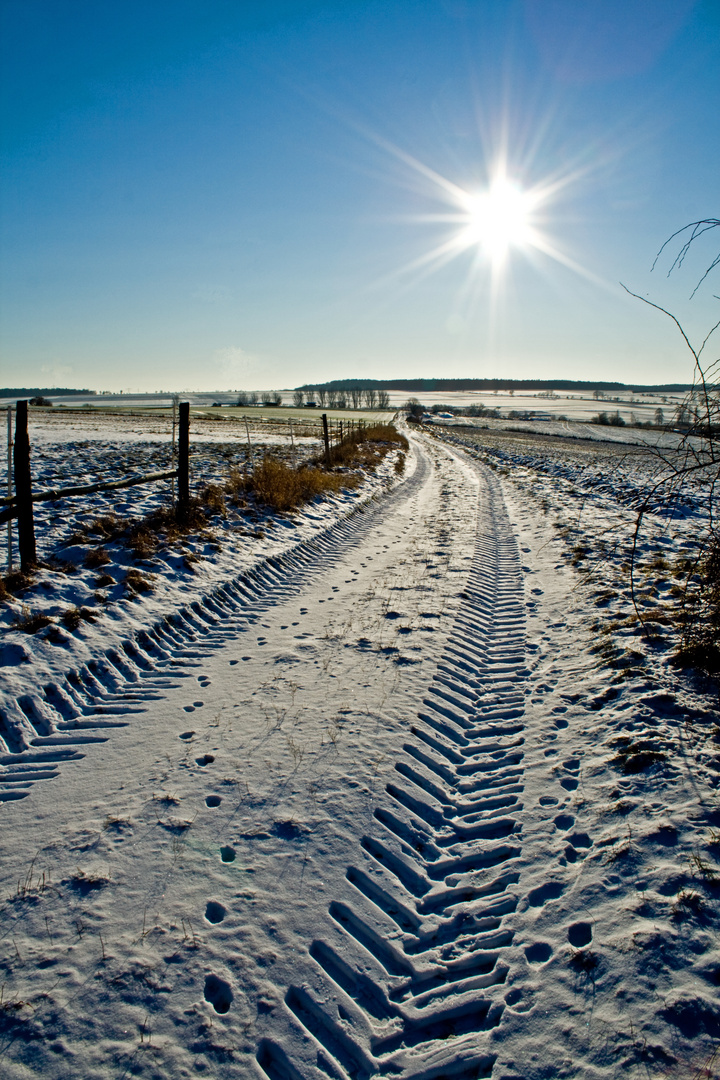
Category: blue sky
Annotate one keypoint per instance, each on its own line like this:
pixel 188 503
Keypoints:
pixel 208 194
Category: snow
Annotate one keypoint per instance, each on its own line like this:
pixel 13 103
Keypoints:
pixel 358 797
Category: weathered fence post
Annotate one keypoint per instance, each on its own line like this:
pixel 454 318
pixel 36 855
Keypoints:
pixel 327 439
pixel 175 401
pixel 292 441
pixel 250 449
pixel 23 489
pixel 9 484
pixel 184 458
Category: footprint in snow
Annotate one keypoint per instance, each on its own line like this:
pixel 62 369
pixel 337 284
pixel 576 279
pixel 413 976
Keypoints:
pixel 287 830
pixel 186 735
pixel 214 912
pixel 203 680
pixel 213 800
pixel 227 854
pixel 539 953
pixel 572 765
pixel 518 1000
pixel 549 891
pixel 206 759
pixel 577 841
pixel 195 705
pixel 580 934
pixel 218 993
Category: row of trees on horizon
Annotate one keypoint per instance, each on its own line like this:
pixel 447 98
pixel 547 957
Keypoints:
pixel 335 397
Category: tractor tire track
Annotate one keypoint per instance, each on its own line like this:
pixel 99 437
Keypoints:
pixel 410 973
pixel 39 731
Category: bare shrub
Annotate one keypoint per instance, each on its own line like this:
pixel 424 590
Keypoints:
pixel 700 619
pixel 283 488
pixel 236 486
pixel 212 497
pixel 695 461
pixel 366 447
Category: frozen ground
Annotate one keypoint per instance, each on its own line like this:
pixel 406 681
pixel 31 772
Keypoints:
pixel 398 789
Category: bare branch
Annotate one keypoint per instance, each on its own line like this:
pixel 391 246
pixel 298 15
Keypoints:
pixel 697 229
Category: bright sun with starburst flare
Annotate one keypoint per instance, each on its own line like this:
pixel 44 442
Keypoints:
pixel 499 219
pixel 491 223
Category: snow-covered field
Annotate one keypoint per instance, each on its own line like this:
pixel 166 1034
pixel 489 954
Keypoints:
pixel 392 786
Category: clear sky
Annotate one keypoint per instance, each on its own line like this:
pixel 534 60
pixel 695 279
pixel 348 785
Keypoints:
pixel 212 194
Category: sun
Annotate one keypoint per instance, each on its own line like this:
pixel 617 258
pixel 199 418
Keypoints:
pixel 507 215
pixel 499 219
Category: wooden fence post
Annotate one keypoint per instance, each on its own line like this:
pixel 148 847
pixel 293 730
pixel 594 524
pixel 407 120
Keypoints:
pixel 9 484
pixel 292 441
pixel 250 449
pixel 184 458
pixel 175 401
pixel 23 489
pixel 327 439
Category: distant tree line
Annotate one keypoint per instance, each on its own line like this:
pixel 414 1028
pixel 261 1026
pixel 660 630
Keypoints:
pixel 415 386
pixel 343 396
pixel 39 391
pixel 268 398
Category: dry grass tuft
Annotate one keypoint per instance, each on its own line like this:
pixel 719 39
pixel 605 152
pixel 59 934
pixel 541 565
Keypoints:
pixel 236 486
pixel 72 618
pixel 366 447
pixel 688 902
pixel 107 527
pixel 136 583
pixel 213 498
pixel 276 484
pixel 96 558
pixel 634 756
pixel 584 960
pixel 29 623
pixel 14 583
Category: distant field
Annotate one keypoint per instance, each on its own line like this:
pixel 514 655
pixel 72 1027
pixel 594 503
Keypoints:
pixel 574 407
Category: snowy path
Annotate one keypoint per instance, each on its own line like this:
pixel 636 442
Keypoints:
pixel 415 935
pixel 248 747
pixel 348 817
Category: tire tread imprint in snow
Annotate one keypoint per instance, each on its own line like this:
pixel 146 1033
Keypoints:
pixel 410 972
pixel 39 731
